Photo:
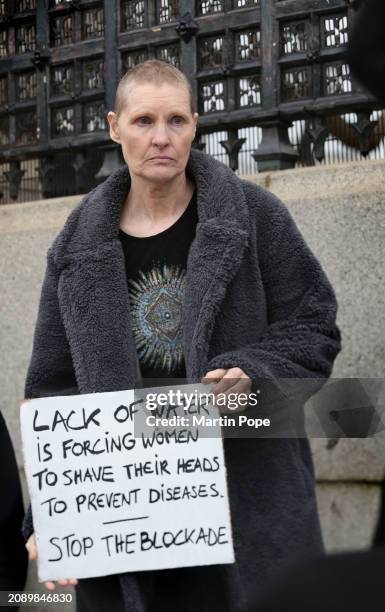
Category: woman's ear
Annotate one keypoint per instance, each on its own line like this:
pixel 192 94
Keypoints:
pixel 114 127
pixel 196 116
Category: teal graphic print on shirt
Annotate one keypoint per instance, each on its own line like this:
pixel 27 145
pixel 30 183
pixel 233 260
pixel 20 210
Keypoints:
pixel 156 298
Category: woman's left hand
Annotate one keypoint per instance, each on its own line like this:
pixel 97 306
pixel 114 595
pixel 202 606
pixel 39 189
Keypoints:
pixel 233 380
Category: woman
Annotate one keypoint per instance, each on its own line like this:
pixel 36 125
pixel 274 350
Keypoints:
pixel 249 301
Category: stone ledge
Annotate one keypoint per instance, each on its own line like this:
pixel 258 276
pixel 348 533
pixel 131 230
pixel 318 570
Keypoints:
pixel 39 215
pixel 337 179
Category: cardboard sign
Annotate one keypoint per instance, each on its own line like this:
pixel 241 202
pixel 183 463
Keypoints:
pixel 112 493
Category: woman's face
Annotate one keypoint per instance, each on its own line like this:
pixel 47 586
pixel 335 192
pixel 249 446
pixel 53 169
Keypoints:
pixel 155 129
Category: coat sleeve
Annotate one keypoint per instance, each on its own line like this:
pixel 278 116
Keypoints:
pixel 50 371
pixel 302 339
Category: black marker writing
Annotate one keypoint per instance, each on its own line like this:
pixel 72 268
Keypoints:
pixel 74 420
pixel 70 546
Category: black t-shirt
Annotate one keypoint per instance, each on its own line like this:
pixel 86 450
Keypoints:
pixel 156 271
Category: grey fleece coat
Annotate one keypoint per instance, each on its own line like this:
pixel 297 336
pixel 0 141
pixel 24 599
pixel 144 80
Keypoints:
pixel 256 297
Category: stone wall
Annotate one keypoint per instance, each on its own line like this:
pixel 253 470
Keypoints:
pixel 341 212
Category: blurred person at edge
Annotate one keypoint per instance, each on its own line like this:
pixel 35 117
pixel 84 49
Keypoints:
pixel 343 582
pixel 13 556
pixel 366 47
pixel 255 304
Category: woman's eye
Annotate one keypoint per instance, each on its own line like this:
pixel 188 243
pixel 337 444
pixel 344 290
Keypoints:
pixel 144 120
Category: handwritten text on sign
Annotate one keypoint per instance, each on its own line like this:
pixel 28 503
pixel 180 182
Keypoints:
pixel 107 499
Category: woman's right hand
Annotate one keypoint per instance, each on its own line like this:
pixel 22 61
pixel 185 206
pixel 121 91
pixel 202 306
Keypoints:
pixel 32 554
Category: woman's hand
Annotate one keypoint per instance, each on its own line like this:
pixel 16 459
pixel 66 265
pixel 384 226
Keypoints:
pixel 233 380
pixel 32 554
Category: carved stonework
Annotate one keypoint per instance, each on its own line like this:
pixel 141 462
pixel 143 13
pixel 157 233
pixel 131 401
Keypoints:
pixel 41 58
pixel 275 151
pixel 47 173
pixel 199 145
pixel 364 129
pixel 318 132
pixel 14 177
pixel 232 147
pixel 111 162
pixel 187 27
pixel 79 164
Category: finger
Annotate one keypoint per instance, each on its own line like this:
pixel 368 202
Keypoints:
pixel 229 380
pixel 67 581
pixel 243 385
pixel 50 585
pixel 236 373
pixel 31 547
pixel 32 554
pixel 241 391
pixel 223 386
pixel 213 375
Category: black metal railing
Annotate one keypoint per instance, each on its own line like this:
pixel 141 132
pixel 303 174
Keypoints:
pixel 270 78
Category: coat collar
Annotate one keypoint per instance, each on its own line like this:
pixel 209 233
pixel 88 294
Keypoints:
pixel 220 200
pixel 93 291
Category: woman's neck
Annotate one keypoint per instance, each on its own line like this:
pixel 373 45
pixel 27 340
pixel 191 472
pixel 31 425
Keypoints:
pixel 150 207
pixel 155 201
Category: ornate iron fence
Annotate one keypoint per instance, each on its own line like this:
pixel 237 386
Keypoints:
pixel 270 78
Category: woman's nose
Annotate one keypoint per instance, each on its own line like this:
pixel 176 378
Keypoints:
pixel 160 135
